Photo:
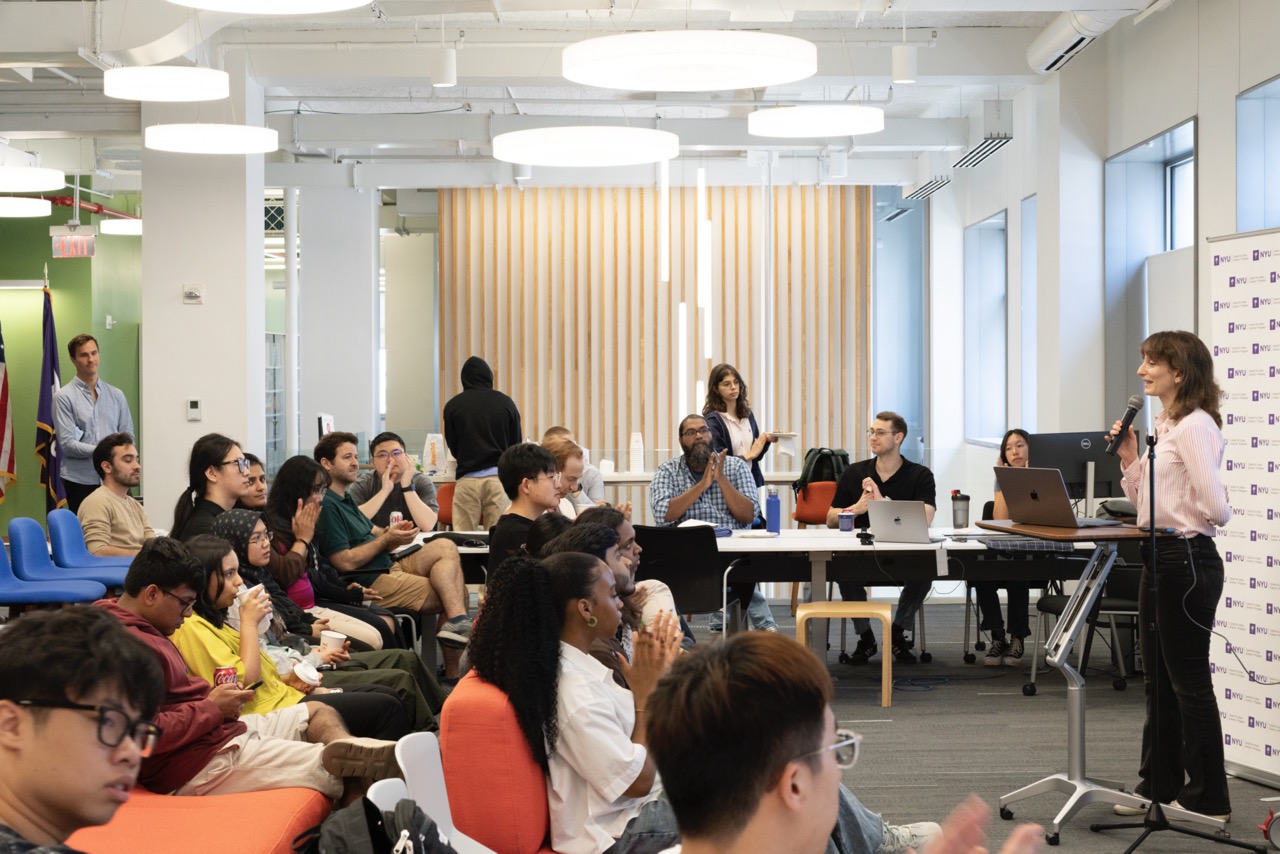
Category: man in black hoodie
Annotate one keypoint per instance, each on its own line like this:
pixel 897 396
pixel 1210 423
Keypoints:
pixel 479 424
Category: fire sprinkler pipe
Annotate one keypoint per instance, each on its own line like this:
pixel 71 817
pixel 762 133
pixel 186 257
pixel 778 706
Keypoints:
pixel 91 207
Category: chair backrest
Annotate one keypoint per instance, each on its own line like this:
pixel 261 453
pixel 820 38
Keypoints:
pixel 419 756
pixel 385 794
pixel 444 497
pixel 988 511
pixel 31 561
pixel 813 502
pixel 686 560
pixel 67 539
pixel 497 791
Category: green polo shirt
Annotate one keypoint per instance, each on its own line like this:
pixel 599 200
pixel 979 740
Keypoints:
pixel 342 526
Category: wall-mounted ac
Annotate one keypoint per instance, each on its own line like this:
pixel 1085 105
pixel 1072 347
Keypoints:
pixel 1070 33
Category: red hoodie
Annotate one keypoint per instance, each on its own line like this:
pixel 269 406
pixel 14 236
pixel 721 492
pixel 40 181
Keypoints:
pixel 194 729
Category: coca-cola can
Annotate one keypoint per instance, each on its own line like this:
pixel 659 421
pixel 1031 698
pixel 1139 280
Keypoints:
pixel 396 517
pixel 224 675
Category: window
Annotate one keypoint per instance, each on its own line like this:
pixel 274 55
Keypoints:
pixel 985 334
pixel 1180 202
pixel 900 366
pixel 1028 318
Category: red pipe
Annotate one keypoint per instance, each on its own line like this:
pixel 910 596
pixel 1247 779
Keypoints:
pixel 92 207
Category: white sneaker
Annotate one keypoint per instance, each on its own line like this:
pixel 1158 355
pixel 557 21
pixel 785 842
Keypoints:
pixel 1218 816
pixel 1121 809
pixel 899 838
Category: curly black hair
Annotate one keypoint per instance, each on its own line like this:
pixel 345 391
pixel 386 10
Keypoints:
pixel 515 644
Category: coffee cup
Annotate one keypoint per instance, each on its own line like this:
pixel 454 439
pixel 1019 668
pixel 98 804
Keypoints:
pixel 306 672
pixel 244 595
pixel 846 520
pixel 331 640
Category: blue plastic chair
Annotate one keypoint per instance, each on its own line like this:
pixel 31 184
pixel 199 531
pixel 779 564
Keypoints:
pixel 31 561
pixel 15 591
pixel 69 550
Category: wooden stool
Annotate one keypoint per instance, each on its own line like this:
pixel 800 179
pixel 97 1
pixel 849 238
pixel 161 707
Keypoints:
pixel 882 611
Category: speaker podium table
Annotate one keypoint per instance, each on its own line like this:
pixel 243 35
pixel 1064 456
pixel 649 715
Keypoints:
pixel 1081 789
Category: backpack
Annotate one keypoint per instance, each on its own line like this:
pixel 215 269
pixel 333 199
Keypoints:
pixel 361 828
pixel 821 464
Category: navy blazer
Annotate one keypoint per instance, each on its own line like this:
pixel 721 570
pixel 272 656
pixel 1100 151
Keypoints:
pixel 720 441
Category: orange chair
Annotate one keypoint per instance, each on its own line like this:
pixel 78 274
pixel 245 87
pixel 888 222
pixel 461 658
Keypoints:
pixel 258 822
pixel 444 497
pixel 812 504
pixel 497 791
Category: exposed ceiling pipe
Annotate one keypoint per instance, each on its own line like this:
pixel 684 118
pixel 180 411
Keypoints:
pixel 91 207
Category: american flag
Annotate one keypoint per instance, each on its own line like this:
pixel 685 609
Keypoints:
pixel 7 463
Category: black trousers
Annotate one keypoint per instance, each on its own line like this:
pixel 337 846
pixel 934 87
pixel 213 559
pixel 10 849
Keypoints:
pixel 371 711
pixel 77 492
pixel 1182 755
pixel 988 594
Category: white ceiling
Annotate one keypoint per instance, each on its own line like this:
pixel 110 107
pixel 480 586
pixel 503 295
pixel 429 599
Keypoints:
pixel 354 86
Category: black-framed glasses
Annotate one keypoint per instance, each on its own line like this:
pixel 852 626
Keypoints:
pixel 241 463
pixel 188 605
pixel 389 455
pixel 113 724
pixel 264 537
pixel 847 746
pixel 696 431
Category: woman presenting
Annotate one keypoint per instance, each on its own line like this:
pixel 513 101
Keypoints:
pixel 1182 757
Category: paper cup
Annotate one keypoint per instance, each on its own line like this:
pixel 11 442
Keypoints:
pixel 306 673
pixel 331 640
pixel 846 521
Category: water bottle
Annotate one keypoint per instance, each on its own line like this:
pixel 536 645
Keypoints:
pixel 959 510
pixel 773 511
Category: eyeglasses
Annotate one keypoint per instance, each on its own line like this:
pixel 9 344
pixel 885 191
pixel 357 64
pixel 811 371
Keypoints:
pixel 389 455
pixel 554 478
pixel 241 463
pixel 264 537
pixel 187 604
pixel 880 433
pixel 113 724
pixel 696 431
pixel 848 745
pixel 319 488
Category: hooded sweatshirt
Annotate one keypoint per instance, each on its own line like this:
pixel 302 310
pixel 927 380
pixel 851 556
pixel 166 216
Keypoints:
pixel 194 729
pixel 479 423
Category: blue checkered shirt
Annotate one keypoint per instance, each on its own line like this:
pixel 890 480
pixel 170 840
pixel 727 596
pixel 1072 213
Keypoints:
pixel 674 478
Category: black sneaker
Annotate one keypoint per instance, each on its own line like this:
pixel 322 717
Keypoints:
pixel 1013 655
pixel 865 649
pixel 995 653
pixel 902 647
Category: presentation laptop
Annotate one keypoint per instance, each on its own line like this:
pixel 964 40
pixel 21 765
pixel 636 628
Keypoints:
pixel 1039 497
pixel 899 522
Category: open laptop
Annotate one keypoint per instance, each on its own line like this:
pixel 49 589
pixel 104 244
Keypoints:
pixel 899 522
pixel 1039 497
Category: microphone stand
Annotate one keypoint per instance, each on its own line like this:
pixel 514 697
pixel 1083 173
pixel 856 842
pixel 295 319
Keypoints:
pixel 1155 820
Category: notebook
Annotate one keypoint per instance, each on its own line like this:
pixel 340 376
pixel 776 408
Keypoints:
pixel 899 522
pixel 1039 497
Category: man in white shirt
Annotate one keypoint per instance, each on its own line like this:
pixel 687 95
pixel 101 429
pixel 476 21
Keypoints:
pixel 115 524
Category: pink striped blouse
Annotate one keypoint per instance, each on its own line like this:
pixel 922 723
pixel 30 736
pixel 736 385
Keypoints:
pixel 1190 494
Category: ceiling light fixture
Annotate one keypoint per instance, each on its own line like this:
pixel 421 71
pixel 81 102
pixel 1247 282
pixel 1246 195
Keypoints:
pixel 127 227
pixel 273 7
pixel 689 61
pixel 211 139
pixel 166 83
pixel 444 66
pixel 31 179
pixel 816 120
pixel 904 58
pixel 586 146
pixel 22 206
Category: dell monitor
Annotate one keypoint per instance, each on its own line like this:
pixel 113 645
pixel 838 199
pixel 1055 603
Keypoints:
pixel 1069 453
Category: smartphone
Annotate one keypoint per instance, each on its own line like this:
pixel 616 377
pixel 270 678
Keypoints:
pixel 254 687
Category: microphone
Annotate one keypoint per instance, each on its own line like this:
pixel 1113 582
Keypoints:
pixel 1135 406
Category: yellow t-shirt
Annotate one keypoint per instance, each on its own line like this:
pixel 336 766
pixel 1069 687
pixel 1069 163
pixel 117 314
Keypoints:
pixel 205 647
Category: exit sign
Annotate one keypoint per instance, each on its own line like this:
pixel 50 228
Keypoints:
pixel 71 242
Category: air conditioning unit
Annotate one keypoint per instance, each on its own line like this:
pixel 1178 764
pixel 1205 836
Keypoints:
pixel 1070 33
pixel 997 131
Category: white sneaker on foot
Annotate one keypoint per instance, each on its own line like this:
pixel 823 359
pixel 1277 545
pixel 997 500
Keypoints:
pixel 899 838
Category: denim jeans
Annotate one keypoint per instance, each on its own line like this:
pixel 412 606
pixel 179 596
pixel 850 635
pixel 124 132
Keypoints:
pixel 653 830
pixel 1182 755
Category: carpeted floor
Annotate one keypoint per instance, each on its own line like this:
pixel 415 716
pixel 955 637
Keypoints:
pixel 956 728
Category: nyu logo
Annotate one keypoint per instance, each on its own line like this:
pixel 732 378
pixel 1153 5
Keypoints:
pixel 1257 301
pixel 1261 253
pixel 1231 327
pixel 1258 583
pixel 1216 260
pixel 1231 741
pixel 1231 282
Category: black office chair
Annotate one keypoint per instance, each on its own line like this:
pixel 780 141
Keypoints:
pixel 688 561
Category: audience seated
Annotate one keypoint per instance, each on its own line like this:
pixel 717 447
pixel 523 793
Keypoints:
pixel 218 477
pixel 206 746
pixel 256 497
pixel 569 465
pixel 590 489
pixel 395 486
pixel 545 528
pixel 529 477
pixel 429 581
pixel 77 694
pixel 114 522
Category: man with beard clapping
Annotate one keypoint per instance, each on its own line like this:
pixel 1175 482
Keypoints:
pixel 702 484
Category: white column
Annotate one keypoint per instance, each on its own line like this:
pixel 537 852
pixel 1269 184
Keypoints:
pixel 338 350
pixel 204 232
pixel 291 319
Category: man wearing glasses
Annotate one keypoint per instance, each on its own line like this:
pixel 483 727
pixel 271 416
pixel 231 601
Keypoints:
pixel 395 486
pixel 76 698
pixel 529 479
pixel 701 484
pixel 886 476
pixel 784 795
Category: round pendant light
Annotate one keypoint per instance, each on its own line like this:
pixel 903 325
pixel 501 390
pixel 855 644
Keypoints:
pixel 211 139
pixel 585 146
pixel 22 206
pixel 273 7
pixel 816 120
pixel 31 179
pixel 689 61
pixel 128 227
pixel 166 83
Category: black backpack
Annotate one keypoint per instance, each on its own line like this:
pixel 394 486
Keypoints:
pixel 361 828
pixel 821 464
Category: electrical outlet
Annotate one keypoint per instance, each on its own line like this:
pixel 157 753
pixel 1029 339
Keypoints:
pixel 192 295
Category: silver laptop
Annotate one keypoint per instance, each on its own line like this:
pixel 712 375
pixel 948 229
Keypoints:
pixel 1039 497
pixel 899 522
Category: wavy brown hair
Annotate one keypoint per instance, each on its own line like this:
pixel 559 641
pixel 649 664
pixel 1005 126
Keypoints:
pixel 1187 356
pixel 716 403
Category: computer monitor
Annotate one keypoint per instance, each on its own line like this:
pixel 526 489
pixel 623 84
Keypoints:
pixel 1069 452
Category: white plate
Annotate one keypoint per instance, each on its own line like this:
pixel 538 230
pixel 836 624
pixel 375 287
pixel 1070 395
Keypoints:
pixel 777 433
pixel 758 534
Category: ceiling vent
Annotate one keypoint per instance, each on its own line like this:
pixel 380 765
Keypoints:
pixel 1070 33
pixel 929 187
pixel 895 214
pixel 997 131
